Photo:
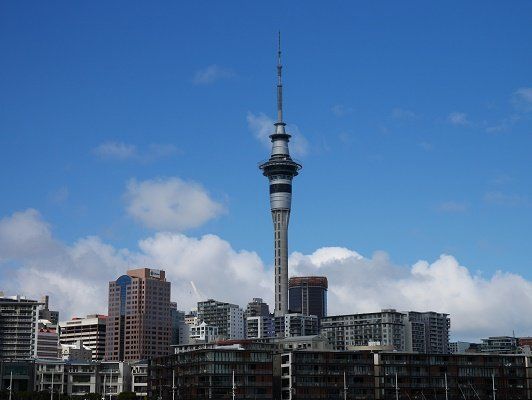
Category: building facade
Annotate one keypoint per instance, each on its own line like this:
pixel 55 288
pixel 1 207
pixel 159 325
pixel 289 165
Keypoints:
pixel 259 327
pixel 89 330
pixel 213 372
pixel 307 295
pixel 229 318
pixel 18 327
pixel 385 328
pixel 257 308
pixel 138 325
pixel 292 325
pixel 499 345
pixel 427 332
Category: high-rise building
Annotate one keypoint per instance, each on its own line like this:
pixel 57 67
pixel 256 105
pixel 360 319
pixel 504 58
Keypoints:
pixel 427 332
pixel 308 295
pixel 229 318
pixel 138 324
pixel 18 327
pixel 89 330
pixel 257 308
pixel 46 313
pixel 280 170
pixel 385 328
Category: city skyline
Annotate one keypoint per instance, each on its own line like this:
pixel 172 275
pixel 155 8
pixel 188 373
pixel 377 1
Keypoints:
pixel 130 140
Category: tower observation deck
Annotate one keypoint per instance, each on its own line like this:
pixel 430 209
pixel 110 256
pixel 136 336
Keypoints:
pixel 280 170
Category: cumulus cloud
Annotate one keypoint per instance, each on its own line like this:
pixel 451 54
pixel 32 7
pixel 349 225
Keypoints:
pixel 76 276
pixel 211 74
pixel 358 284
pixel 170 204
pixel 120 151
pixel 262 127
pixel 458 118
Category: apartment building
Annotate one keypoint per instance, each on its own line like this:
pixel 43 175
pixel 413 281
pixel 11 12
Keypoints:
pixel 18 327
pixel 229 318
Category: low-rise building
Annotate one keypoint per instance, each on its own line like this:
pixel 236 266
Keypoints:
pixel 499 345
pixel 203 333
pixel 214 371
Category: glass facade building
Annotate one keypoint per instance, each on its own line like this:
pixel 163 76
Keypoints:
pixel 307 295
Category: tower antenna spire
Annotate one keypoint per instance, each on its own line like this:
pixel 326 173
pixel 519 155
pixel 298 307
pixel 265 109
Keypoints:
pixel 280 124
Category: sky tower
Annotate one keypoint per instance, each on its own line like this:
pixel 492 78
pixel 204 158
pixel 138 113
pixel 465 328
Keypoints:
pixel 280 169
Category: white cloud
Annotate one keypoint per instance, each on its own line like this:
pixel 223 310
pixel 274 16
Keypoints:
pixel 452 207
pixel 170 204
pixel 76 276
pixel 401 113
pixel 262 127
pixel 340 110
pixel 524 97
pixel 505 199
pixel 458 118
pixel 116 150
pixel 358 284
pixel 211 74
pixel 120 151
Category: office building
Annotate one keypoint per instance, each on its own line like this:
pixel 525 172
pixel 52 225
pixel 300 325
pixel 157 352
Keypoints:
pixel 229 318
pixel 291 325
pixel 90 330
pixel 280 170
pixel 259 327
pixel 18 327
pixel 47 314
pixel 47 342
pixel 308 295
pixel 499 345
pixel 138 324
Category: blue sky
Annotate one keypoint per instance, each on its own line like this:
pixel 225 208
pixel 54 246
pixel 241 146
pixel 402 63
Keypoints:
pixel 414 117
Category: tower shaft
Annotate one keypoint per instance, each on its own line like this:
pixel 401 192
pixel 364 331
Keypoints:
pixel 280 230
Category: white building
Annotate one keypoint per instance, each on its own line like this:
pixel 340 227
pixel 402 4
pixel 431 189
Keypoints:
pixel 203 333
pixel 18 327
pixel 229 318
pixel 292 325
pixel 139 378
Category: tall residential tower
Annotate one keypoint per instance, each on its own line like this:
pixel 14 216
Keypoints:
pixel 280 169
